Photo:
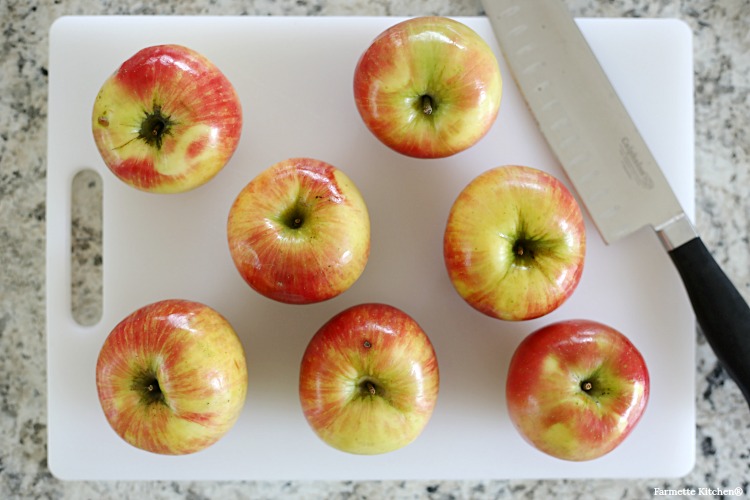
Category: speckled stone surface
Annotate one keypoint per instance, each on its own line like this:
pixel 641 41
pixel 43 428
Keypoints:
pixel 722 99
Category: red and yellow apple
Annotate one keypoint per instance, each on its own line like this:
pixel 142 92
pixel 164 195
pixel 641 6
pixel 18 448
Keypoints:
pixel 369 380
pixel 428 87
pixel 172 377
pixel 299 232
pixel 515 242
pixel 576 389
pixel 167 120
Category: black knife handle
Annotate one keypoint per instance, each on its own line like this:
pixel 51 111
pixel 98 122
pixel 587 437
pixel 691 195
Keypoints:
pixel 722 313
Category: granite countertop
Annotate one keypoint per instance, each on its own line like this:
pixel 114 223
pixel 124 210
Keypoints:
pixel 722 121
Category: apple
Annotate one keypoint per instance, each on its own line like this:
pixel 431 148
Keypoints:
pixel 576 389
pixel 167 120
pixel 299 232
pixel 369 380
pixel 172 377
pixel 514 243
pixel 428 87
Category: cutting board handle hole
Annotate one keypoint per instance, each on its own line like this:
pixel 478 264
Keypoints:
pixel 86 247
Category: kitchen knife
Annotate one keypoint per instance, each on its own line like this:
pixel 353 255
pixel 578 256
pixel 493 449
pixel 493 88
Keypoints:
pixel 610 165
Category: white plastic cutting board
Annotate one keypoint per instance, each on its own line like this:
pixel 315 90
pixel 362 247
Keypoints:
pixel 294 76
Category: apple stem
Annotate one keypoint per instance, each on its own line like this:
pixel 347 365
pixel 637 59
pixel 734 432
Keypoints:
pixel 427 104
pixel 586 386
pixel 524 248
pixel 154 127
pixel 367 388
pixel 146 384
pixel 294 216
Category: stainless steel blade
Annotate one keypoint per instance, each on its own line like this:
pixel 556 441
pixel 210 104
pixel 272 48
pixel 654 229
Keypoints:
pixel 584 121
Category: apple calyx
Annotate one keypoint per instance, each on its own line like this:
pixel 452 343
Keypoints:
pixel 147 386
pixel 155 126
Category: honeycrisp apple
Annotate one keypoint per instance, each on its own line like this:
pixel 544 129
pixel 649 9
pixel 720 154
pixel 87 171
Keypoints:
pixel 576 389
pixel 299 232
pixel 167 120
pixel 369 380
pixel 515 242
pixel 172 377
pixel 428 87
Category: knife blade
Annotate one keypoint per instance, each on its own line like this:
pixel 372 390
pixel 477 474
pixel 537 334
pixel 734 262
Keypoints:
pixel 610 165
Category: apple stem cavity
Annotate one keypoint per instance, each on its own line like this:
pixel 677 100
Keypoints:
pixel 147 385
pixel 524 249
pixel 527 249
pixel 154 127
pixel 427 104
pixel 294 216
pixel 369 388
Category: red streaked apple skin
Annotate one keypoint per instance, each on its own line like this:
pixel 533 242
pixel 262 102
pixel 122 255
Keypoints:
pixel 316 261
pixel 498 210
pixel 545 396
pixel 377 344
pixel 202 128
pixel 193 356
pixel 435 56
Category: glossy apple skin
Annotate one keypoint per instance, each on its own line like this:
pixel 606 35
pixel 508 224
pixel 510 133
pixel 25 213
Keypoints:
pixel 545 396
pixel 377 344
pixel 187 352
pixel 316 261
pixel 428 56
pixel 195 130
pixel 499 210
